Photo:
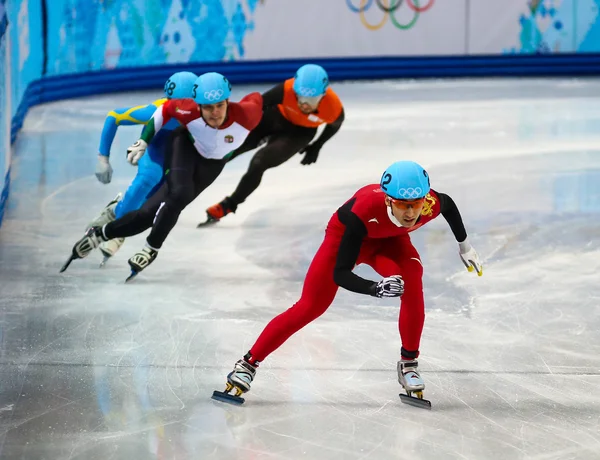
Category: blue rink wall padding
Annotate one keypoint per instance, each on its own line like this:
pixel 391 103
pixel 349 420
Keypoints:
pixel 143 78
pixel 56 88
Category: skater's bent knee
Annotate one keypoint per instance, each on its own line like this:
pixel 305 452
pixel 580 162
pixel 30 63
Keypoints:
pixel 415 268
pixel 307 311
pixel 256 165
pixel 180 197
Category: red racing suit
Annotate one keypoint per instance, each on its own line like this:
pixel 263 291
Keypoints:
pixel 363 231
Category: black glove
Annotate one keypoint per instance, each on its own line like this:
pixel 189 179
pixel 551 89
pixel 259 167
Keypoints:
pixel 392 286
pixel 311 152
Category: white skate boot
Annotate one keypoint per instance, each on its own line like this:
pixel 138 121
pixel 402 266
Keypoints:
pixel 110 248
pixel 411 381
pixel 141 260
pixel 107 215
pixel 238 380
pixel 90 241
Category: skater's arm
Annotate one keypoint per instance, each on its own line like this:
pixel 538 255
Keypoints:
pixel 330 130
pixel 127 116
pixel 469 256
pixel 274 96
pixel 450 211
pixel 248 112
pixel 347 255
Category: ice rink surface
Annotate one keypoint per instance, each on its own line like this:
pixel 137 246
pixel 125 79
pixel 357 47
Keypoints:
pixel 91 368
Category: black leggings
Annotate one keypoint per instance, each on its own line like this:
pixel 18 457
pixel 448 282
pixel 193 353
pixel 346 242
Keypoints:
pixel 187 175
pixel 284 140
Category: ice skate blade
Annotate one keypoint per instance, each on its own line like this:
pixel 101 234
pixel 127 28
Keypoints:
pixel 104 260
pixel 226 397
pixel 209 221
pixel 131 276
pixel 414 401
pixel 67 263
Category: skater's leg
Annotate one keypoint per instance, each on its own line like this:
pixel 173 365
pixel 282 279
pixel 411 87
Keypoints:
pixel 317 295
pixel 189 174
pixel 138 221
pixel 399 257
pixel 278 150
pixel 149 174
pixel 145 184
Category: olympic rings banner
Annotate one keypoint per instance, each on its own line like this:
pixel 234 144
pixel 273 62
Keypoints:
pixel 87 35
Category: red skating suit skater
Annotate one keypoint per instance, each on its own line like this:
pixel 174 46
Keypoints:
pixel 371 228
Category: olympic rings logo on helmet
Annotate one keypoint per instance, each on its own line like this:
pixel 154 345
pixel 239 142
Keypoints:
pixel 306 92
pixel 389 8
pixel 213 95
pixel 410 193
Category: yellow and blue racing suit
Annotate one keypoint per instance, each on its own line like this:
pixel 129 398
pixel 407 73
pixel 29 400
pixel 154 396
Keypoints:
pixel 150 168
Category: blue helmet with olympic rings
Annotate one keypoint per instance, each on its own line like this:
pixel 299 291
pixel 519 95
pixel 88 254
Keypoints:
pixel 180 85
pixel 211 88
pixel 310 80
pixel 405 180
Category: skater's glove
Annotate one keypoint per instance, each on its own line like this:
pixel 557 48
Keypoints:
pixel 103 169
pixel 136 151
pixel 470 257
pixel 311 152
pixel 392 286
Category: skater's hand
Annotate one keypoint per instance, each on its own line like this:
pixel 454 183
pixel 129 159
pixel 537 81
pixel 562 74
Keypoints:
pixel 470 257
pixel 311 152
pixel 392 286
pixel 136 151
pixel 103 169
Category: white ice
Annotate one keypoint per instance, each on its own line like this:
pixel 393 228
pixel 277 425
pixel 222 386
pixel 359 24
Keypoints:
pixel 96 369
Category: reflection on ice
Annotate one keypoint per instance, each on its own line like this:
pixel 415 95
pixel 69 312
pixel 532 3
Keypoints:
pixel 95 369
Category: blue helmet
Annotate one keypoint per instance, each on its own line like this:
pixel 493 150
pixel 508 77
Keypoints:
pixel 210 88
pixel 405 180
pixel 311 80
pixel 179 85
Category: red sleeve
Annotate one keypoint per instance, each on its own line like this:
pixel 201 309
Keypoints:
pixel 183 110
pixel 248 111
pixel 365 203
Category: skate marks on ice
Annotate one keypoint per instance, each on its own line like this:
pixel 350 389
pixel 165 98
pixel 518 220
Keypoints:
pixel 530 324
pixel 530 209
pixel 97 369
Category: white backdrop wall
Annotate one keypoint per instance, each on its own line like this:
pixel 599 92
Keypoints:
pixel 86 35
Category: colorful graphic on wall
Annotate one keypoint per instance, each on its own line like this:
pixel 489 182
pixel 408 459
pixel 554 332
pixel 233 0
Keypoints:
pixel 559 26
pixel 391 10
pixel 5 111
pixel 89 35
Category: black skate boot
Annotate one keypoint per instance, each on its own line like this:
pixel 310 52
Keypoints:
pixel 140 261
pixel 217 211
pixel 238 380
pixel 90 241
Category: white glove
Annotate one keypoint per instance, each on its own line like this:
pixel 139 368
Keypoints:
pixel 392 286
pixel 470 257
pixel 136 151
pixel 103 169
